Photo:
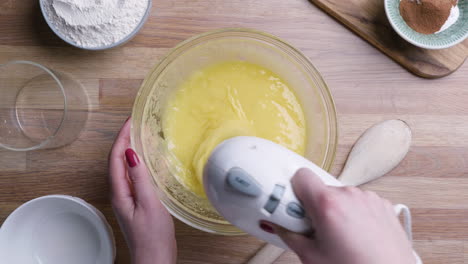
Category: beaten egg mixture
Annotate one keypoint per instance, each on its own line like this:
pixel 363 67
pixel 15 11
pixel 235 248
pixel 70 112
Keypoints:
pixel 225 100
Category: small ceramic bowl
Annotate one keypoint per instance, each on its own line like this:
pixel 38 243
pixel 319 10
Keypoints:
pixel 113 45
pixel 445 39
pixel 56 229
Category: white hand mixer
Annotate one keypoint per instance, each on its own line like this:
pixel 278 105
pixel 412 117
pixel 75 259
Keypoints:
pixel 247 180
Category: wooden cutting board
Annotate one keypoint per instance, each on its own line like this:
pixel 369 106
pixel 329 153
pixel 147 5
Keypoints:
pixel 367 18
pixel 367 88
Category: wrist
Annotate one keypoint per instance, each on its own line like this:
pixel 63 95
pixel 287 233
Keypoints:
pixel 148 255
pixel 142 256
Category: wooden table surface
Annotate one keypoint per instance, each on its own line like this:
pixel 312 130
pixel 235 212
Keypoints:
pixel 367 86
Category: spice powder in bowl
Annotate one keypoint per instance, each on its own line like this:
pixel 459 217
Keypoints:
pixel 95 24
pixel 429 16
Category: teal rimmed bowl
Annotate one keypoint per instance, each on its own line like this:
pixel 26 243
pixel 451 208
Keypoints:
pixel 445 39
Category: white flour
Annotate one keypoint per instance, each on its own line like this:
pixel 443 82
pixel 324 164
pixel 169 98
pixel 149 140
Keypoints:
pixel 94 23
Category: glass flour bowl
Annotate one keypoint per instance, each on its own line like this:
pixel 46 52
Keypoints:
pixel 292 66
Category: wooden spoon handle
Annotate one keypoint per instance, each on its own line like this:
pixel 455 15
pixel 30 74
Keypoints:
pixel 266 255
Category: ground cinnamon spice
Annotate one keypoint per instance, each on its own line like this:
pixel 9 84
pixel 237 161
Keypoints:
pixel 426 16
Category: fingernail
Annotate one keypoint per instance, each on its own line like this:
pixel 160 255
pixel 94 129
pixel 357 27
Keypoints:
pixel 267 227
pixel 131 157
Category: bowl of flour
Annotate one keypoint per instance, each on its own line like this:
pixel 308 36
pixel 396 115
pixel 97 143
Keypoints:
pixel 95 24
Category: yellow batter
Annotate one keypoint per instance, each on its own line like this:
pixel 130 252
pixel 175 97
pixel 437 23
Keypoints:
pixel 227 100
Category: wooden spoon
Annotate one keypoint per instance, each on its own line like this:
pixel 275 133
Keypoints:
pixel 379 149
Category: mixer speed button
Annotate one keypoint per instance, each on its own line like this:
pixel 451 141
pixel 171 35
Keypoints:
pixel 242 182
pixel 274 199
pixel 295 210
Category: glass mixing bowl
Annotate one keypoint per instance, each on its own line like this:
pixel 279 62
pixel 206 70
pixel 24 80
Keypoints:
pixel 206 49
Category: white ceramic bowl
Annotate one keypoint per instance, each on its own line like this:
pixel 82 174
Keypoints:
pixel 56 229
pixel 118 43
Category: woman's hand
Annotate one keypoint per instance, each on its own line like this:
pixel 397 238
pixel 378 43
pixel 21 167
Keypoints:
pixel 146 224
pixel 351 226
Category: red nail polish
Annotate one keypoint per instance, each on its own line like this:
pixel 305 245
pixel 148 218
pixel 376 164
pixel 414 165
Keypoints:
pixel 131 157
pixel 266 227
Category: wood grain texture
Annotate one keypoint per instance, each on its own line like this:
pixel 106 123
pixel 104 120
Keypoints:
pixel 367 18
pixel 368 87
